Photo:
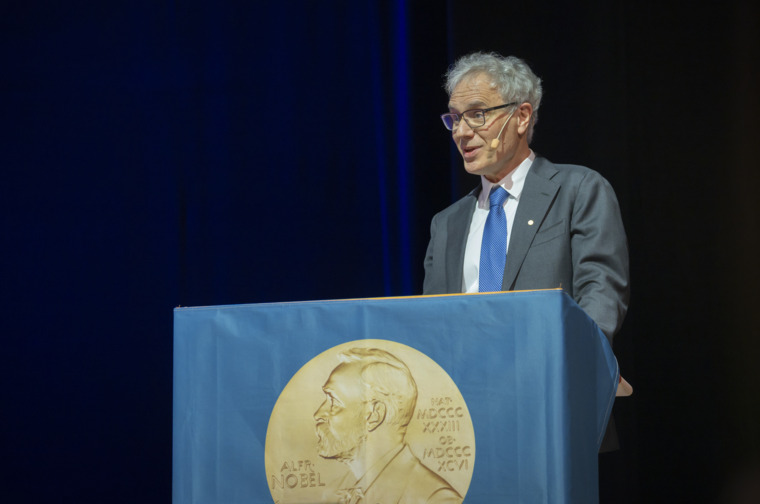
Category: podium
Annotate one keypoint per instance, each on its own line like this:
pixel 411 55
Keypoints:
pixel 513 394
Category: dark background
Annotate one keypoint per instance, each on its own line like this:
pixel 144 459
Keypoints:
pixel 157 154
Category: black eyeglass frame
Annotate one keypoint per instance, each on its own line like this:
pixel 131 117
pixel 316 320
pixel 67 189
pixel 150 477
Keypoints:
pixel 461 116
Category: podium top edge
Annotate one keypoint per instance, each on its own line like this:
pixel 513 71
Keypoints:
pixel 283 303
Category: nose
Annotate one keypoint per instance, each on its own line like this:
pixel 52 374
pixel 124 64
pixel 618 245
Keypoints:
pixel 319 415
pixel 462 130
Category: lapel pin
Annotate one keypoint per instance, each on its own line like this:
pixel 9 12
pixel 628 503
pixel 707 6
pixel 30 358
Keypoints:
pixel 530 222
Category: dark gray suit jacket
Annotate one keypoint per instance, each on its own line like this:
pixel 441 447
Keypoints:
pixel 567 233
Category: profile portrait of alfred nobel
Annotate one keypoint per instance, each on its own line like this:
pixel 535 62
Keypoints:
pixel 369 401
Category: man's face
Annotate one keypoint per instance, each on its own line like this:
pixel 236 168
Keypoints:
pixel 475 92
pixel 341 420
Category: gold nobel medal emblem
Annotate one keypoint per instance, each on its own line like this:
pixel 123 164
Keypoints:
pixel 370 422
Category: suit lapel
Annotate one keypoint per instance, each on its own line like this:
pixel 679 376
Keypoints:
pixel 456 241
pixel 535 201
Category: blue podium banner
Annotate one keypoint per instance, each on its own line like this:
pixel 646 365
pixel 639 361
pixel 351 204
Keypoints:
pixel 480 398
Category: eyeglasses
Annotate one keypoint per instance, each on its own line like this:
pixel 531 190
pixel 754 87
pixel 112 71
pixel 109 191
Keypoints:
pixel 475 118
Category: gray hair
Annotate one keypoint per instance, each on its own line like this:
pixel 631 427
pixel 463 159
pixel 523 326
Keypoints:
pixel 511 76
pixel 388 380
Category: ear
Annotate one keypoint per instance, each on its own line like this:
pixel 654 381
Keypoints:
pixel 524 113
pixel 376 416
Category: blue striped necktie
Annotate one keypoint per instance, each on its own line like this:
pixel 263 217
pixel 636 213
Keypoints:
pixel 493 249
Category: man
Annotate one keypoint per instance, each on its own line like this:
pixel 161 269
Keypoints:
pixel 530 224
pixel 370 400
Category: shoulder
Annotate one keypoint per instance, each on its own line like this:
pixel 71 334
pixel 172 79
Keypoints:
pixel 464 204
pixel 428 485
pixel 564 173
pixel 415 482
pixel 573 180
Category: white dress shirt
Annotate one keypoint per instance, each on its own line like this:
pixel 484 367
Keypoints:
pixel 513 183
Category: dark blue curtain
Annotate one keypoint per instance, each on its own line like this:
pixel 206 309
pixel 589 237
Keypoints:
pixel 158 154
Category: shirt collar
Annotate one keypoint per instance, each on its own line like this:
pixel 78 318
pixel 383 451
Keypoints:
pixel 513 182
